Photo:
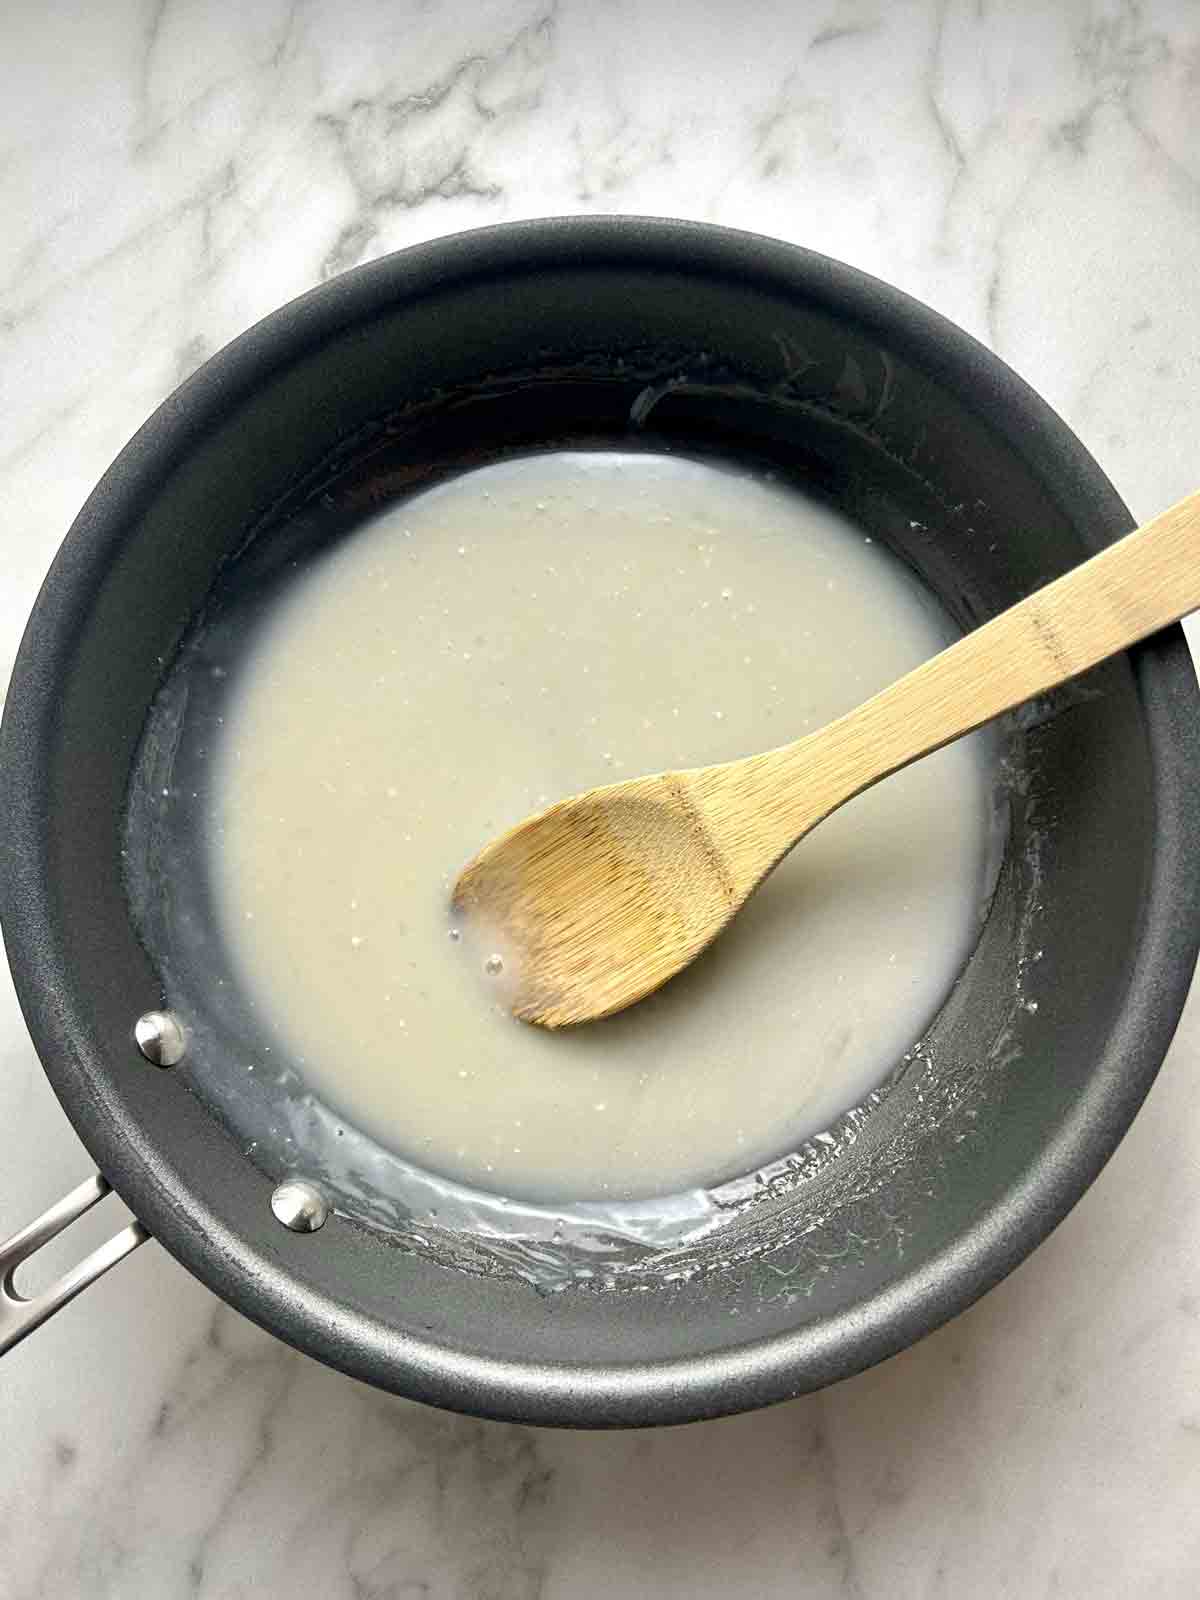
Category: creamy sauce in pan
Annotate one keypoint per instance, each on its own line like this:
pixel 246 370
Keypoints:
pixel 516 634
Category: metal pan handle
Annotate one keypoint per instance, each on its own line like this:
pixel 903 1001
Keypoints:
pixel 20 1314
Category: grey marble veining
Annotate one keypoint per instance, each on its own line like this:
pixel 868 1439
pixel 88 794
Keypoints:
pixel 169 172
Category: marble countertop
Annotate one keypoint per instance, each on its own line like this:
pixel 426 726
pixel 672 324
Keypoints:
pixel 171 171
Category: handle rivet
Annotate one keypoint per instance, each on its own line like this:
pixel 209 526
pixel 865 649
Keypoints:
pixel 300 1205
pixel 160 1037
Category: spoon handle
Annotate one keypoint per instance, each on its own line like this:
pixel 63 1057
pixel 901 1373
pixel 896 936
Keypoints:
pixel 1141 583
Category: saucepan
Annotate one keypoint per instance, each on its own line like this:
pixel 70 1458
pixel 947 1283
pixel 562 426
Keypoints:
pixel 600 330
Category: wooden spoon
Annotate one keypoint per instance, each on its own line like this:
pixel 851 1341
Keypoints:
pixel 599 899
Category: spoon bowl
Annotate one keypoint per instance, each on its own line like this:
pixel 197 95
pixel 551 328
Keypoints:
pixel 585 896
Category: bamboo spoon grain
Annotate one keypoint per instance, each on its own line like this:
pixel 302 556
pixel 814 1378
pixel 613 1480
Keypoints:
pixel 598 900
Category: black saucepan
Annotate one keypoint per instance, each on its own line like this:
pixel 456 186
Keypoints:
pixel 616 330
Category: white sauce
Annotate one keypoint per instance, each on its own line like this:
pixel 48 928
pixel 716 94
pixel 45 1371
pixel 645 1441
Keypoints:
pixel 522 632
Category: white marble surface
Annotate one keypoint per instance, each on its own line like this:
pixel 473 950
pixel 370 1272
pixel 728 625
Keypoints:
pixel 169 171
